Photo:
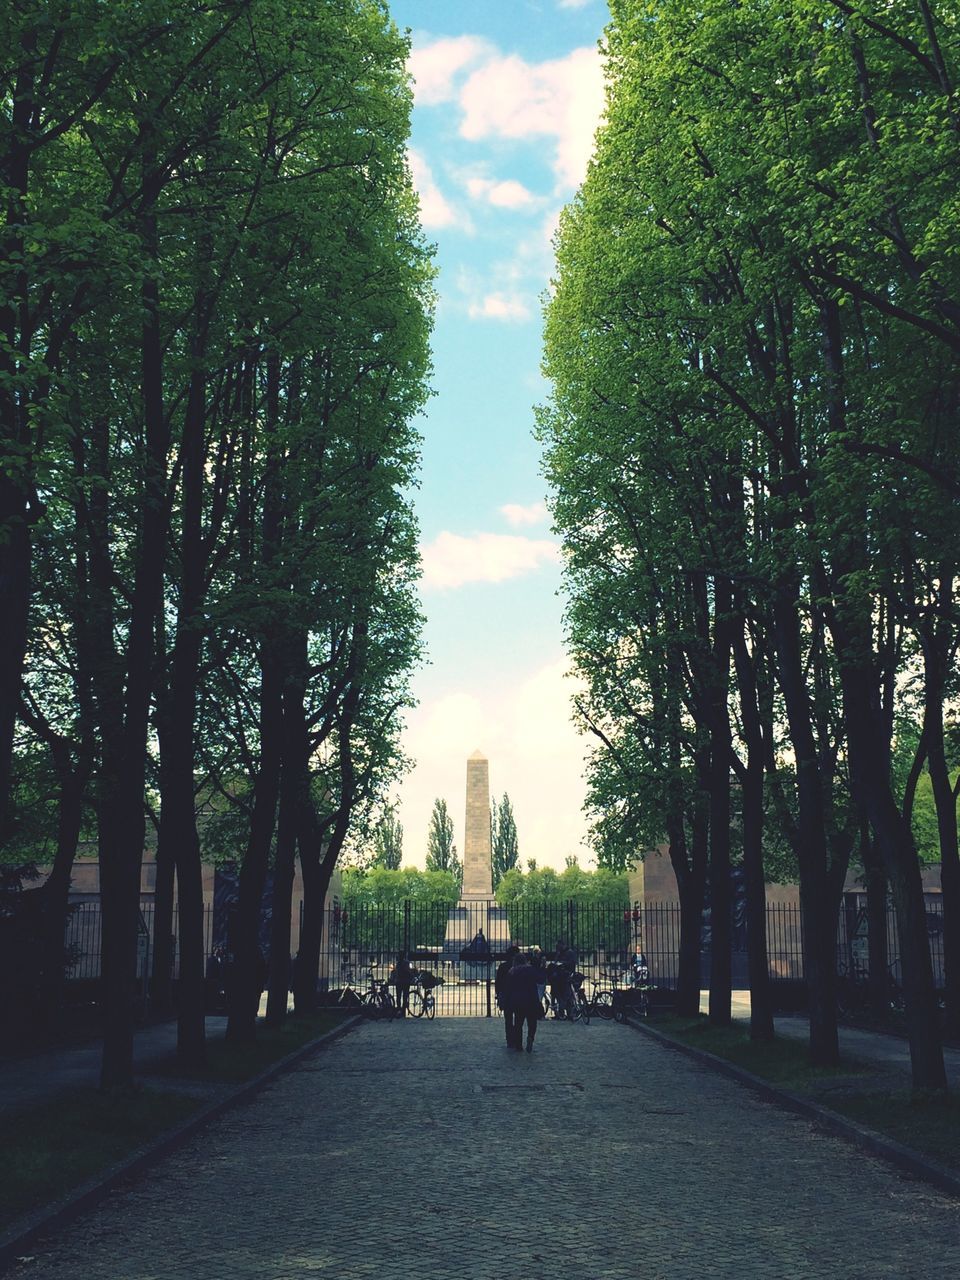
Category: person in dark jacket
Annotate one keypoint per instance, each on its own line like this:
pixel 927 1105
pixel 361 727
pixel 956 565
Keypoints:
pixel 402 978
pixel 521 993
pixel 511 957
pixel 536 958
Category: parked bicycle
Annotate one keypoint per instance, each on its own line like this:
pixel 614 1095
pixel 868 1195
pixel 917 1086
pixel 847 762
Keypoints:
pixel 378 1001
pixel 632 1000
pixel 578 1006
pixel 567 999
pixel 347 997
pixel 423 1002
pixel 604 992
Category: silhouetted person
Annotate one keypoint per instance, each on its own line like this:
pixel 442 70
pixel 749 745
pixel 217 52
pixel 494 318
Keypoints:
pixel 500 989
pixel 479 945
pixel 539 963
pixel 521 993
pixel 402 978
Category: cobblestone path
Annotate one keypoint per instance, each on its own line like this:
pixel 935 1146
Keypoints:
pixel 427 1151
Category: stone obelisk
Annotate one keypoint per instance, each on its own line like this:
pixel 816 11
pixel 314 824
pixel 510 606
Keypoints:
pixel 476 911
pixel 477 853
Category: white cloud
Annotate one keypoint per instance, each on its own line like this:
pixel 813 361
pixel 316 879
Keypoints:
pixel 503 96
pixel 523 726
pixel 573 4
pixel 435 66
pixel 452 560
pixel 504 194
pixel 519 516
pixel 499 306
pixel 507 97
pixel 435 209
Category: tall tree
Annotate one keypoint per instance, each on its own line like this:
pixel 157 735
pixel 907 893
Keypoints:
pixel 505 848
pixel 698 346
pixel 441 850
pixel 388 841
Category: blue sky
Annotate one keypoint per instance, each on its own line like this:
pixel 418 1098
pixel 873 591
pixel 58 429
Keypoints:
pixel 507 96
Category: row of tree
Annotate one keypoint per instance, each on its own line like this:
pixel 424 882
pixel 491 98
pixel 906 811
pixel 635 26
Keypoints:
pixel 753 448
pixel 376 886
pixel 214 314
pixel 387 840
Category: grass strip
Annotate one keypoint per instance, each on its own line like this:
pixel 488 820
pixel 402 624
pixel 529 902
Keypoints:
pixel 927 1123
pixel 55 1146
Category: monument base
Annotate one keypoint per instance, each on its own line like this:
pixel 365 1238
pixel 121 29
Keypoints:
pixel 470 916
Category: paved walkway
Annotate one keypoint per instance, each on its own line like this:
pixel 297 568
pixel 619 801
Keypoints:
pixel 27 1081
pixel 428 1151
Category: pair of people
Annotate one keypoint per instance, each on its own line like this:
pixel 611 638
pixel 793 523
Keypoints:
pixel 518 982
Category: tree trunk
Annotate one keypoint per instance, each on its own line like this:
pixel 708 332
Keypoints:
pixel 761 1004
pixel 122 815
pixel 688 972
pixel 307 965
pixel 191 991
pixel 720 752
pixel 15 554
pixel 689 857
pixel 878 958
pixel 819 916
pixel 56 893
pixel 188 645
pixel 284 867
pixel 161 983
pixel 243 997
pixel 691 882
pixel 15 421
pixel 937 650
pixel 871 786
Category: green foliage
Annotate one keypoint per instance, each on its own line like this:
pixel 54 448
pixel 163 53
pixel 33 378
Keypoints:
pixel 441 850
pixel 236 174
pixel 388 841
pixel 544 885
pixel 383 886
pixel 387 911
pixel 925 830
pixel 503 840
pixel 740 411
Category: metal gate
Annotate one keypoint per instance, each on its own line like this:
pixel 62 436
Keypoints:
pixel 461 944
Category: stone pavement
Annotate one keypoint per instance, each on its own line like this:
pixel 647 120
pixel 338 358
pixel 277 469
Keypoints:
pixel 428 1151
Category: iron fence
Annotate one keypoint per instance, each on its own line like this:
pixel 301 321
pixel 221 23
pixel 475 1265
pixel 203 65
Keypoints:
pixel 82 939
pixel 461 944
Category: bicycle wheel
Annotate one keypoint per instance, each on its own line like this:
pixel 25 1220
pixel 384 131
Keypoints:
pixel 415 1006
pixel 574 1009
pixel 430 1005
pixel 371 1005
pixel 603 1004
pixel 584 1006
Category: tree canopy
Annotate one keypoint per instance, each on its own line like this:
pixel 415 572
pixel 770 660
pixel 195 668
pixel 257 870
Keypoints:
pixel 751 443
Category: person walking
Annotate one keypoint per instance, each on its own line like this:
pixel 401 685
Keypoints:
pixel 522 982
pixel 540 964
pixel 511 957
pixel 402 978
